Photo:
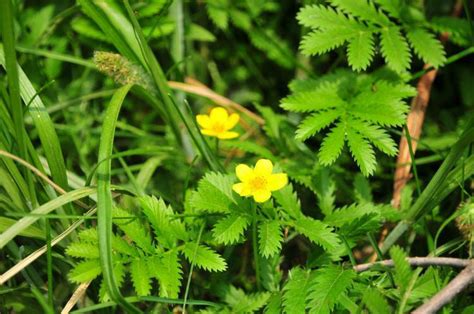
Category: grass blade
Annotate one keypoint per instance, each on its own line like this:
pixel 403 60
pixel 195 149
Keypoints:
pixel 104 197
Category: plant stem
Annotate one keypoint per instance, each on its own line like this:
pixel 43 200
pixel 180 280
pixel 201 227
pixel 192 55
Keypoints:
pixel 188 283
pixel 49 260
pixel 254 244
pixel 349 251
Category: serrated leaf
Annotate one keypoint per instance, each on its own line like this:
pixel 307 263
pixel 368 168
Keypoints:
pixel 375 302
pixel 376 136
pixel 269 238
pixel 402 268
pixel 204 257
pixel 141 277
pixel 288 199
pixel 133 228
pixel 395 49
pixel 296 290
pixel 319 42
pixel 228 230
pixel 315 123
pixel 324 189
pixel 214 193
pixel 360 51
pixel 324 96
pixel 328 285
pixel 427 47
pixel 332 145
pixel 361 9
pixel 393 7
pixel 84 250
pixel 166 228
pixel 362 152
pixel 218 13
pixel 318 232
pixel 85 271
pixel 167 269
pixel 243 303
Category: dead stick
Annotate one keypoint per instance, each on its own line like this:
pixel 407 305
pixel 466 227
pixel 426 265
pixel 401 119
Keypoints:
pixel 419 261
pixel 448 293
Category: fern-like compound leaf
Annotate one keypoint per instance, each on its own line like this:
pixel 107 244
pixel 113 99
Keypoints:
pixel 395 49
pixel 296 290
pixel 329 284
pixel 318 232
pixel 403 271
pixel 204 257
pixel 85 271
pixel 427 47
pixel 315 123
pixel 362 152
pixel 362 9
pixel 360 51
pixel 214 193
pixel 332 145
pixel 141 278
pixel 228 230
pixel 269 238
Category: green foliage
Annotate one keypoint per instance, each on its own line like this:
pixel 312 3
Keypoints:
pixel 269 238
pixel 229 229
pixel 327 287
pixel 317 232
pixel 296 290
pixel 403 271
pixel 354 108
pixel 357 22
pixel 137 254
pixel 214 193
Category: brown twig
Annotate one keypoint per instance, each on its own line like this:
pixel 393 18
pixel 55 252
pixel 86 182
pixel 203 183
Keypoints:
pixel 415 121
pixel 443 297
pixel 419 261
pixel 202 90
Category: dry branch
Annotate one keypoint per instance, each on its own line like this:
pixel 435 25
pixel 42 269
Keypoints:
pixel 419 261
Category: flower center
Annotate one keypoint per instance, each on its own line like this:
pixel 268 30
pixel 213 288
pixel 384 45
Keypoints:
pixel 259 183
pixel 218 127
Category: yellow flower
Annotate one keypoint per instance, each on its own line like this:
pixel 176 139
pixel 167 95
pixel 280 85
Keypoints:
pixel 218 123
pixel 259 182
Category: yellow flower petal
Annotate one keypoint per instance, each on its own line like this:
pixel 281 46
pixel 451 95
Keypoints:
pixel 241 189
pixel 264 167
pixel 243 172
pixel 204 121
pixel 232 121
pixel 228 135
pixel 261 196
pixel 277 181
pixel 219 114
pixel 209 132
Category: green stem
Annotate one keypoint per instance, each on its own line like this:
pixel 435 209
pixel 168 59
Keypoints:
pixel 437 188
pixel 349 251
pixel 188 283
pixel 49 260
pixel 374 244
pixel 254 245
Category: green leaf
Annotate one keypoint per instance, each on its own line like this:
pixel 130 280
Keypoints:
pixel 324 96
pixel 395 49
pixel 362 152
pixel 243 303
pixel 402 267
pixel 320 42
pixel 167 229
pixel 329 284
pixel 318 232
pixel 393 7
pixel 228 230
pixel 315 123
pixel 167 269
pixel 332 145
pixel 459 30
pixel 204 257
pixel 218 13
pixel 362 9
pixel 31 231
pixel 133 228
pixel 375 301
pixel 84 250
pixel 324 189
pixel 85 271
pixel 214 193
pixel 288 199
pixel 376 136
pixel 427 47
pixel 296 290
pixel 269 238
pixel 360 51
pixel 140 277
